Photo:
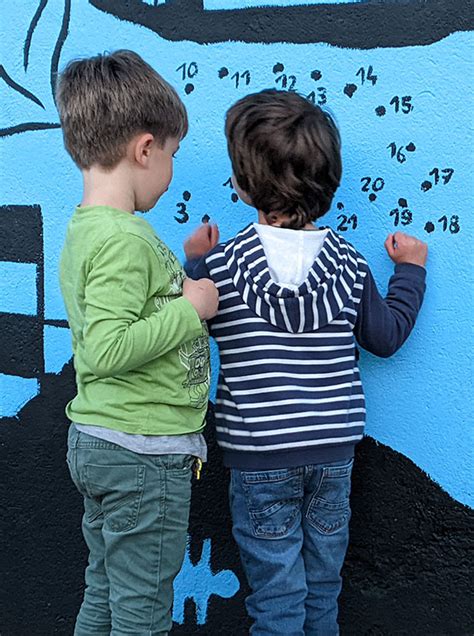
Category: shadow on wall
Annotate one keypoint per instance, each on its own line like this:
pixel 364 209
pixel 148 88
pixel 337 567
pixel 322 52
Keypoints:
pixel 407 570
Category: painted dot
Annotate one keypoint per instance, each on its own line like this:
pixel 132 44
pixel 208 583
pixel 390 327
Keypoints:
pixel 206 218
pixel 188 88
pixel 380 111
pixel 429 227
pixel 316 75
pixel 234 197
pixel 340 206
pixel 223 72
pixel 278 68
pixel 186 195
pixel 403 203
pixel 350 89
pixel 411 147
pixel 372 197
pixel 426 185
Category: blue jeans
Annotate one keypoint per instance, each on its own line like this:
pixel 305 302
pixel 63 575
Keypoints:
pixel 136 510
pixel 292 529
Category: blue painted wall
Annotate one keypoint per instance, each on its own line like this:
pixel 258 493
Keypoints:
pixel 405 116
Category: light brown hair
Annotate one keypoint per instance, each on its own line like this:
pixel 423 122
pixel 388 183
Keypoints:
pixel 285 154
pixel 103 101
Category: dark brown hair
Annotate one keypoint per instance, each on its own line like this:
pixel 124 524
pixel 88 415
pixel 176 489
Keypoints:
pixel 285 154
pixel 104 101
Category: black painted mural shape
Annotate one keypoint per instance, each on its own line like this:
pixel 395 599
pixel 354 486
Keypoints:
pixel 21 241
pixel 407 570
pixel 22 346
pixel 359 25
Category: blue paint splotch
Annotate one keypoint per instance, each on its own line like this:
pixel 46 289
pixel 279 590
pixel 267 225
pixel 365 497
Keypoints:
pixel 18 288
pixel 57 348
pixel 198 583
pixel 15 392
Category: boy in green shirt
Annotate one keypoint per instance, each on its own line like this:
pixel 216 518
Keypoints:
pixel 140 345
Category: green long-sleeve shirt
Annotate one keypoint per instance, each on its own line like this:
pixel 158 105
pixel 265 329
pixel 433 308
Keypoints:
pixel 141 353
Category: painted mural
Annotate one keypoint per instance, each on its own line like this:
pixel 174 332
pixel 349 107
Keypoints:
pixel 395 75
pixel 349 23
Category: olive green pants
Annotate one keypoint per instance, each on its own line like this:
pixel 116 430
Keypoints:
pixel 136 510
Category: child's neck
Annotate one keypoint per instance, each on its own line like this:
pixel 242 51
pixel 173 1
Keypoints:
pixel 278 220
pixel 111 188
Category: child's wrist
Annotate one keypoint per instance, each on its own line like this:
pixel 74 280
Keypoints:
pixel 412 261
pixel 192 256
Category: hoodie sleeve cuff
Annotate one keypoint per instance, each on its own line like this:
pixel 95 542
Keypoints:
pixel 411 270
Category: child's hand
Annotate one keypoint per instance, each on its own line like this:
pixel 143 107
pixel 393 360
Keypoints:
pixel 201 241
pixel 403 248
pixel 203 296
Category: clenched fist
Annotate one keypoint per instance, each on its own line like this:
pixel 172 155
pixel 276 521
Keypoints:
pixel 201 241
pixel 203 296
pixel 403 248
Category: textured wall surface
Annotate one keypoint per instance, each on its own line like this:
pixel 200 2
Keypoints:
pixel 397 77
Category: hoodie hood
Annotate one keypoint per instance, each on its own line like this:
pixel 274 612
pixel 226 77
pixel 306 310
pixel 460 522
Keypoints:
pixel 316 302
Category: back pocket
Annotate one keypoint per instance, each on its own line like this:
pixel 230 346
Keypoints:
pixel 274 500
pixel 329 508
pixel 118 491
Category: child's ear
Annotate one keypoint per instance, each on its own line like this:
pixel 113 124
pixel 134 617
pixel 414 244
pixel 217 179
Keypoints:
pixel 243 196
pixel 142 148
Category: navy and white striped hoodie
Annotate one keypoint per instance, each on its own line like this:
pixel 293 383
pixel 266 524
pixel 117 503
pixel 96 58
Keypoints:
pixel 289 390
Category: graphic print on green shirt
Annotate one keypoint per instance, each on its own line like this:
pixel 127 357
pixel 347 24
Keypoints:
pixel 194 355
pixel 174 269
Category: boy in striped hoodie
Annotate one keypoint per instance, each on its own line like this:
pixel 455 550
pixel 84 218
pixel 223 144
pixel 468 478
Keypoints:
pixel 295 302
